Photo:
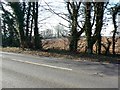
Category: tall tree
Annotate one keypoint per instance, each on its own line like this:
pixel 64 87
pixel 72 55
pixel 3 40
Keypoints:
pixel 88 28
pixel 32 18
pixel 99 12
pixel 37 41
pixel 115 11
pixel 9 31
pixel 73 9
pixel 98 19
pixel 17 8
pixel 28 41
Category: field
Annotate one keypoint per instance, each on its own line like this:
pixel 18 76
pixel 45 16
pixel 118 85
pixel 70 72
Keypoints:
pixel 63 44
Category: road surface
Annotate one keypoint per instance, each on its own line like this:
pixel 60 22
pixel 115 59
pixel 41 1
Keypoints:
pixel 27 71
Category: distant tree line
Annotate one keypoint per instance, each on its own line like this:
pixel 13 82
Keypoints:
pixel 20 26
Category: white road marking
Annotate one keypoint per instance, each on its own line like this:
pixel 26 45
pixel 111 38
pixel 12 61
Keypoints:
pixel 11 53
pixel 20 54
pixel 46 65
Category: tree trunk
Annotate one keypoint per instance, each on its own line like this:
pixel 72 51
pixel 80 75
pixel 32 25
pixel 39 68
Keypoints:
pixel 115 11
pixel 4 33
pixel 99 12
pixel 73 43
pixel 114 33
pixel 73 9
pixel 99 23
pixel 27 25
pixel 74 37
pixel 99 45
pixel 31 29
pixel 28 17
pixel 108 47
pixel 37 40
pixel 88 30
pixel 16 6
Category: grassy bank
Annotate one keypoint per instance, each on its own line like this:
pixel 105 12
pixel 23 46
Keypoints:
pixel 65 54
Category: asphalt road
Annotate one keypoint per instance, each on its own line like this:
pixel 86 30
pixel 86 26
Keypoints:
pixel 26 71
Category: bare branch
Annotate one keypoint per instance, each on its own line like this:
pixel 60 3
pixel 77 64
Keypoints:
pixel 6 12
pixel 64 25
pixel 52 11
pixel 79 5
pixel 44 18
pixel 68 7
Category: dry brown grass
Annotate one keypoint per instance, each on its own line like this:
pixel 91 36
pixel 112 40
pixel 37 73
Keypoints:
pixel 63 44
pixel 65 54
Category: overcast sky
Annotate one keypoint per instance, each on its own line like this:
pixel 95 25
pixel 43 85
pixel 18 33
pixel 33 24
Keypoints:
pixel 60 7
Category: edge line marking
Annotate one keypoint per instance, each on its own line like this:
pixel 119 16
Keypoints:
pixel 45 65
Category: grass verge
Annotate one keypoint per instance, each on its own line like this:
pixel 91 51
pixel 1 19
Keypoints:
pixel 66 54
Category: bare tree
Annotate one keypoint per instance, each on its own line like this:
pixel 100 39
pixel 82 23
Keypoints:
pixel 73 9
pixel 88 28
pixel 99 8
pixel 115 11
pixel 37 41
pixel 17 8
pixel 99 12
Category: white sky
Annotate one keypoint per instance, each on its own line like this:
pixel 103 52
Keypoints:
pixel 54 20
pixel 60 7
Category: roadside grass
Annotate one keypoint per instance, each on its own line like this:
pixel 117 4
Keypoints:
pixel 66 54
